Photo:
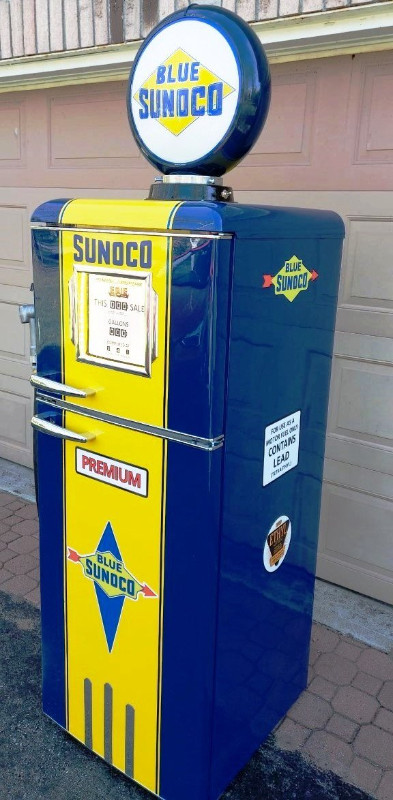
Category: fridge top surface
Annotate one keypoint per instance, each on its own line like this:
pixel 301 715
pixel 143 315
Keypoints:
pixel 209 219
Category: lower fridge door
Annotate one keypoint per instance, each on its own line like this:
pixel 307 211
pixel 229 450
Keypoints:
pixel 129 543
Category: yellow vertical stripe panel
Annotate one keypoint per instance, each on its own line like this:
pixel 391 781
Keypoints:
pixel 132 667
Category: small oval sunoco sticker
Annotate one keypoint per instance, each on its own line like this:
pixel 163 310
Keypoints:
pixel 277 543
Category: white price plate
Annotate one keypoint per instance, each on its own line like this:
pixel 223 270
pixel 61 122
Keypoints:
pixel 114 319
pixel 118 319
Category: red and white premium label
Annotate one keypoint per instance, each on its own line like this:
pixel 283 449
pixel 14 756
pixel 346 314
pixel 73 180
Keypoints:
pixel 109 470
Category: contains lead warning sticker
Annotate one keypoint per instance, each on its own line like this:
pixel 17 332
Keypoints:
pixel 281 447
pixel 277 543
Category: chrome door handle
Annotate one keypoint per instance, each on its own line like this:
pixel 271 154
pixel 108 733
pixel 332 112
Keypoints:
pixel 59 388
pixel 42 425
pixel 27 314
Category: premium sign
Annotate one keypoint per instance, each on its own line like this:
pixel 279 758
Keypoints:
pixel 109 470
pixel 184 99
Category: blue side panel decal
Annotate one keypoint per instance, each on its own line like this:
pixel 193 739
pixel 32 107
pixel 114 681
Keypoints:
pixel 50 504
pixel 191 573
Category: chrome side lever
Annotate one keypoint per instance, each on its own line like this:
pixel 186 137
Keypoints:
pixel 44 426
pixel 27 315
pixel 39 382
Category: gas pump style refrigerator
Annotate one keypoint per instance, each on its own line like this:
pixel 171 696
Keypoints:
pixel 184 353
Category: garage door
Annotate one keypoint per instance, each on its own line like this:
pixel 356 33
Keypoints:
pixel 328 143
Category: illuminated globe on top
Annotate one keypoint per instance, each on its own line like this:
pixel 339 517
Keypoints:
pixel 199 92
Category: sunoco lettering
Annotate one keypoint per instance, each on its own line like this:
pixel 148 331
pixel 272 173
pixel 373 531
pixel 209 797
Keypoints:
pixel 286 282
pixel 113 472
pixel 182 102
pixel 97 251
pixel 109 576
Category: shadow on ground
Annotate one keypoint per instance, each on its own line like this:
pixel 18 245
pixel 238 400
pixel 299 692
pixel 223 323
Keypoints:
pixel 38 761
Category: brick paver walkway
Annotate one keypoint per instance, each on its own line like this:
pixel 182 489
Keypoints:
pixel 19 548
pixel 344 720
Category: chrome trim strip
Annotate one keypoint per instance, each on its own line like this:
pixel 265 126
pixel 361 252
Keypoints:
pixel 153 430
pixel 195 179
pixel 39 382
pixel 44 426
pixel 39 226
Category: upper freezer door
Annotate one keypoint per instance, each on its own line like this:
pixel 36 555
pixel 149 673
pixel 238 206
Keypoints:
pixel 133 323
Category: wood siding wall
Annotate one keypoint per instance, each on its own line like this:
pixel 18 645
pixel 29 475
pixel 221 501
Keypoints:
pixel 28 27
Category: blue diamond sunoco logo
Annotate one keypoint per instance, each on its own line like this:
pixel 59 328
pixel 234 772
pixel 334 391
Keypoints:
pixel 180 91
pixel 113 582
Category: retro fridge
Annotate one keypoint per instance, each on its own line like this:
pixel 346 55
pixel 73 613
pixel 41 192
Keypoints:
pixel 184 347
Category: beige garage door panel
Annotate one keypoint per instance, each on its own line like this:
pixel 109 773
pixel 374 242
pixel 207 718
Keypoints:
pixel 15 250
pixel 12 131
pixel 367 281
pixel 359 453
pixel 15 415
pixel 73 137
pixel 330 127
pixel 15 391
pixel 355 543
pixel 359 401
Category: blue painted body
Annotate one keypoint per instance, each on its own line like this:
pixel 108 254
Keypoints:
pixel 48 461
pixel 235 637
pixel 200 297
pixel 233 682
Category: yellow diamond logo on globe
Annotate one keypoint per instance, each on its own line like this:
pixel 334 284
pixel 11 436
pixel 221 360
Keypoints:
pixel 180 91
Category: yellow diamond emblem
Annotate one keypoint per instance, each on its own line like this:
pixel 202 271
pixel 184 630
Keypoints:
pixel 292 278
pixel 180 91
